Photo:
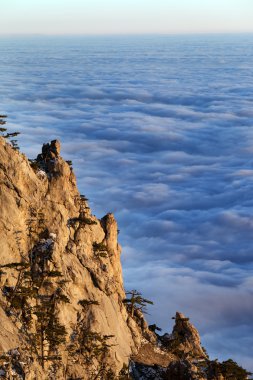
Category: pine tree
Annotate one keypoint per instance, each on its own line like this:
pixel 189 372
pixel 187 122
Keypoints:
pixel 50 333
pixel 16 294
pixel 7 135
pixel 136 302
pixel 154 328
pixel 2 122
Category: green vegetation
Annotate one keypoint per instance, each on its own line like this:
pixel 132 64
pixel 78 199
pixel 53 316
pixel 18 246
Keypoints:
pixel 18 295
pixel 136 302
pixel 34 164
pixel 205 352
pixel 36 225
pixel 83 198
pixel 92 347
pixel 82 220
pixel 31 305
pixel 14 144
pixel 87 221
pixel 69 163
pixel 50 334
pixel 35 297
pixel 7 135
pixel 3 122
pixel 92 344
pixel 228 369
pixel 154 328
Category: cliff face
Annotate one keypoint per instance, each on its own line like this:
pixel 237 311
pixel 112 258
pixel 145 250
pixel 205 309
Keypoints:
pixel 47 225
pixel 62 308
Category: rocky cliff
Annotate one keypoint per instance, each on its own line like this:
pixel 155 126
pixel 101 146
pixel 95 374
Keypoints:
pixel 63 307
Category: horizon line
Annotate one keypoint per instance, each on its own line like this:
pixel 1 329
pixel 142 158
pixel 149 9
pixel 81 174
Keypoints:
pixel 124 34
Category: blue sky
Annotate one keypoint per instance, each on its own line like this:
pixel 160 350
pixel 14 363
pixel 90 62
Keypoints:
pixel 125 16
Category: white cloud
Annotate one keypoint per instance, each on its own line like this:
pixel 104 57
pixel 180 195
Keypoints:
pixel 165 143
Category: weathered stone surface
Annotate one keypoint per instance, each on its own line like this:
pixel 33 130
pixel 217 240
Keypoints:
pixel 44 212
pixel 186 337
pixel 50 151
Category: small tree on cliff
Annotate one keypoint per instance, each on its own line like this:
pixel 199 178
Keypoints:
pixel 2 122
pixel 50 333
pixel 16 295
pixel 154 328
pixel 6 135
pixel 135 301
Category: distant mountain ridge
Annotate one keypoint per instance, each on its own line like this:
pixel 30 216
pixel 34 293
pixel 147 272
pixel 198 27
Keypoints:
pixel 63 308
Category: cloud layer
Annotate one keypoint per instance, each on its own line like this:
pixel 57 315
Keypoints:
pixel 159 130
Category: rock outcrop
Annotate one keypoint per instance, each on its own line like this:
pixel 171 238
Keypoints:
pixel 47 225
pixel 62 302
pixel 185 338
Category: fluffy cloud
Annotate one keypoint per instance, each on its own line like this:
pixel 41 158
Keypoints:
pixel 164 141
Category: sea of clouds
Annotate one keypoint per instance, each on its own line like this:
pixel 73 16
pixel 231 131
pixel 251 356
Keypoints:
pixel 160 132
